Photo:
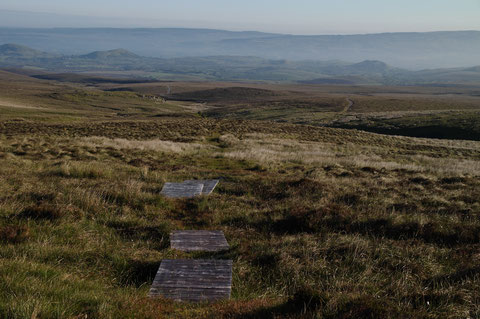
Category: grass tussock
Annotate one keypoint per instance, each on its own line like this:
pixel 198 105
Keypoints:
pixel 81 170
pixel 327 154
pixel 149 145
pixel 42 211
pixel 14 234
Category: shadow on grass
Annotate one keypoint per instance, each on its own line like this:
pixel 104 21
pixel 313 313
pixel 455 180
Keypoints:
pixel 158 234
pixel 307 303
pixel 303 304
pixel 231 253
pixel 137 273
pixel 193 212
pixel 338 218
pixel 430 299
pixel 14 234
pixel 451 279
pixel 42 211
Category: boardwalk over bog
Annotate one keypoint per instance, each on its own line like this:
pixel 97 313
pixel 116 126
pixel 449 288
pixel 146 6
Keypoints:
pixel 198 240
pixel 208 184
pixel 189 188
pixel 180 190
pixel 193 280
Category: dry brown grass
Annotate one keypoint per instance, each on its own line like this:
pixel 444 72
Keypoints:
pixel 267 149
pixel 149 145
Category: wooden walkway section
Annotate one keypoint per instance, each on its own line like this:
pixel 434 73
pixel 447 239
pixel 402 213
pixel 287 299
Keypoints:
pixel 208 184
pixel 198 240
pixel 193 280
pixel 181 190
pixel 189 188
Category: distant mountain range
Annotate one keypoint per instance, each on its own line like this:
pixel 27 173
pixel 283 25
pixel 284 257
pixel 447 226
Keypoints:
pixel 232 68
pixel 412 51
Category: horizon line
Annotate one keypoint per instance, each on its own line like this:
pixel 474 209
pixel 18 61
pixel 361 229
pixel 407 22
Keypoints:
pixel 236 31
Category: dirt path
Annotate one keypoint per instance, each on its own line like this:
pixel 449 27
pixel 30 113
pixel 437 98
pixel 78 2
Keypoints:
pixel 349 106
pixel 8 103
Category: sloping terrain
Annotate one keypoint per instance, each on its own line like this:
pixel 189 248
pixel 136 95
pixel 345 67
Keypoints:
pixel 321 222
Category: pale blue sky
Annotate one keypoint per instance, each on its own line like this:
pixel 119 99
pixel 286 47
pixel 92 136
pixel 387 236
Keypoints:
pixel 299 16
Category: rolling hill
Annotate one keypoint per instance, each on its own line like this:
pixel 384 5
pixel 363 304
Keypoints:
pixel 20 52
pixel 110 54
pixel 405 50
pixel 233 68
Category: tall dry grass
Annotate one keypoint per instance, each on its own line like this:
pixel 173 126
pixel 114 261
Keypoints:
pixel 268 149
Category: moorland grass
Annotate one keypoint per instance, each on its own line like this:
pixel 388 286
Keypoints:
pixel 322 223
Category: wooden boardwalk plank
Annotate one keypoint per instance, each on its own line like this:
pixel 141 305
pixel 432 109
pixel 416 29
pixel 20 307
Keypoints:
pixel 193 280
pixel 208 184
pixel 181 190
pixel 189 188
pixel 198 240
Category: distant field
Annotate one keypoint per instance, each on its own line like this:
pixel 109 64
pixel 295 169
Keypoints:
pixel 422 111
pixel 322 222
pixel 435 112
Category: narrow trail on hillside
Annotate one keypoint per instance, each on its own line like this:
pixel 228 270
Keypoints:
pixel 8 103
pixel 349 105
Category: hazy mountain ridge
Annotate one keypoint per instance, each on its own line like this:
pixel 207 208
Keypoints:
pixel 235 67
pixel 406 50
pixel 16 51
pixel 116 53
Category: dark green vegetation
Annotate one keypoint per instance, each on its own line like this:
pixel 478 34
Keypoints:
pixel 444 125
pixel 322 222
pixel 231 68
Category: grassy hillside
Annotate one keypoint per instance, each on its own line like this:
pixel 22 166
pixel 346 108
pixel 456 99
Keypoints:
pixel 449 113
pixel 16 51
pixel 322 222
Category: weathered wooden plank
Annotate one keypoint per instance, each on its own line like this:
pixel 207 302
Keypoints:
pixel 193 280
pixel 196 232
pixel 192 295
pixel 198 240
pixel 208 184
pixel 199 264
pixel 205 276
pixel 181 190
pixel 189 188
pixel 193 272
